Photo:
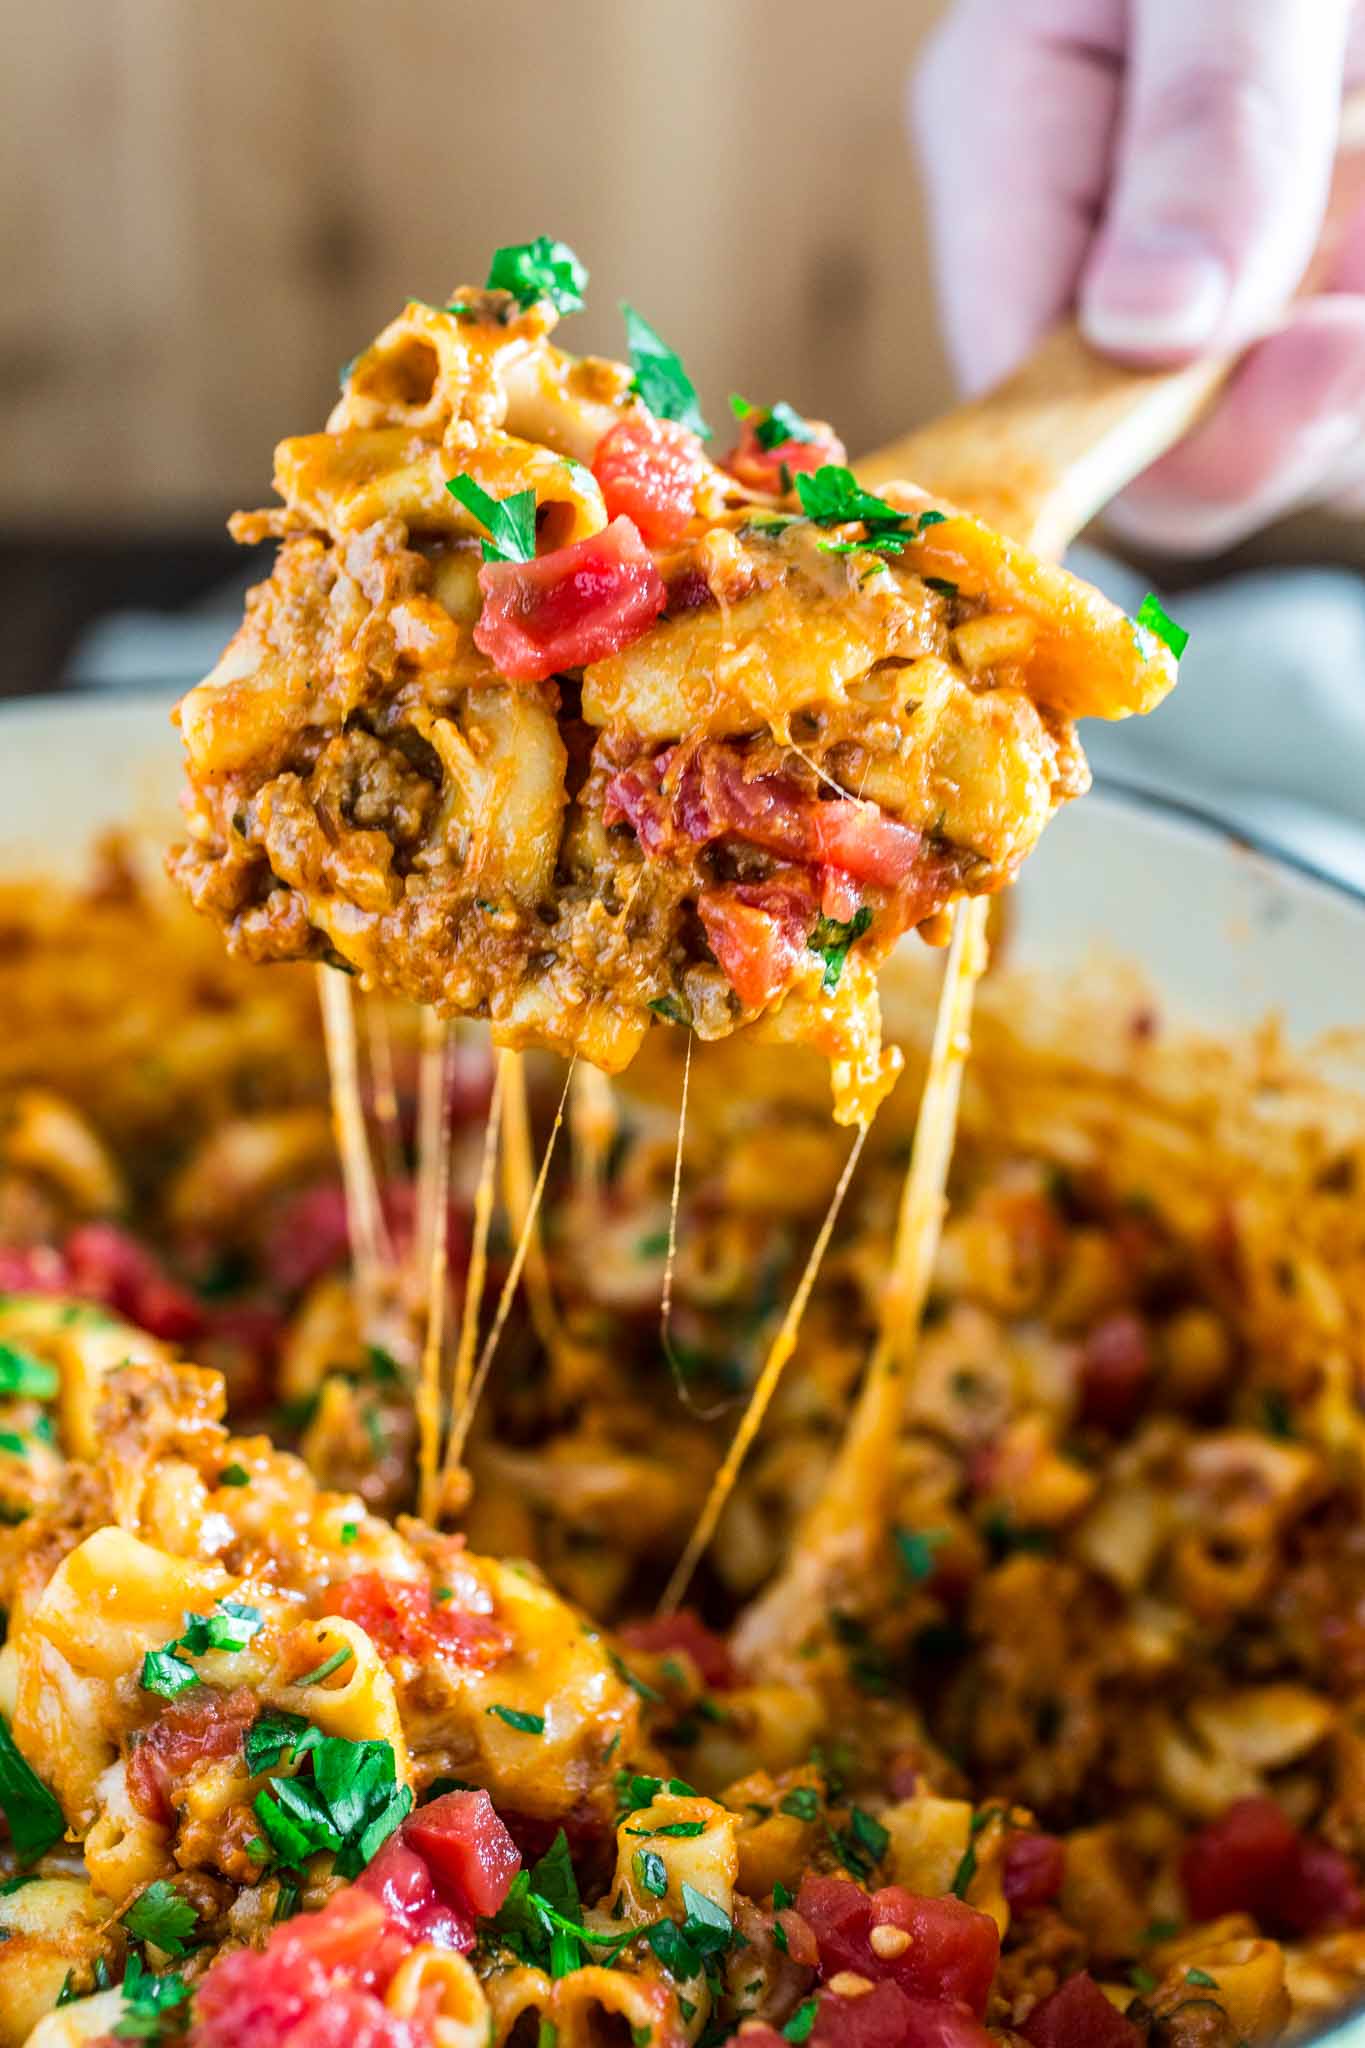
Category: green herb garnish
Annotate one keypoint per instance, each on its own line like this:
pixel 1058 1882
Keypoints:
pixel 915 1549
pixel 510 522
pixel 832 938
pixel 350 1804
pixel 798 2027
pixel 1202 1978
pixel 23 1374
pixel 1153 622
pixel 163 1916
pixel 772 424
pixel 802 1804
pixel 151 2005
pixel 231 1626
pixel 651 1871
pixel 34 1817
pixel 234 1475
pixel 327 1666
pixel 525 1724
pixel 660 379
pixel 541 269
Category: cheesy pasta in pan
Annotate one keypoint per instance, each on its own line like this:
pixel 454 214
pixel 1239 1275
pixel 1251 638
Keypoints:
pixel 1071 1757
pixel 547 716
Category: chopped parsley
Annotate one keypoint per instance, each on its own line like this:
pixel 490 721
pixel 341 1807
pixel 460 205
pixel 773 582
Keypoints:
pixel 268 1738
pixel 1159 1930
pixel 772 424
pixel 915 1550
pixel 834 497
pixel 1153 622
pixel 798 2027
pixel 651 1872
pixel 660 379
pixel 349 1532
pixel 802 1804
pixel 161 1915
pixel 231 1626
pixel 669 1008
pixel 860 1846
pixel 941 585
pixel 525 1724
pixel 540 269
pixel 234 1475
pixel 638 1685
pixel 634 1790
pixel 151 2005
pixel 682 1830
pixel 510 522
pixel 1141 1979
pixel 1202 1978
pixel 349 1805
pixel 706 1931
pixel 327 1667
pixel 832 938
pixel 23 1374
pixel 34 1817
pixel 966 1869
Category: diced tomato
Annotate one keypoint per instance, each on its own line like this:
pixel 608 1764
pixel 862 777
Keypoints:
pixel 467 1848
pixel 1240 1861
pixel 403 1883
pixel 715 799
pixel 576 605
pixel 886 2017
pixel 402 1619
pixel 1253 1860
pixel 317 1983
pixel 840 1917
pixel 204 1727
pixel 308 1234
pixel 1078 2015
pixel 33 1269
pixel 1116 1365
pixel 1032 1870
pixel 758 932
pixel 107 1264
pixel 952 1952
pixel 953 1949
pixel 771 469
pixel 685 1631
pixel 650 469
pixel 1325 1893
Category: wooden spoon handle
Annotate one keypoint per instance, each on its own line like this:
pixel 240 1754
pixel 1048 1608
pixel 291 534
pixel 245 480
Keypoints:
pixel 1046 450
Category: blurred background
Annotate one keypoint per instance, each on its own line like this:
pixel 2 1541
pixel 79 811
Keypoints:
pixel 206 209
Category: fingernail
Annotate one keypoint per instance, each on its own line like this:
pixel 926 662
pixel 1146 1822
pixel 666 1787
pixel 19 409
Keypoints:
pixel 1160 292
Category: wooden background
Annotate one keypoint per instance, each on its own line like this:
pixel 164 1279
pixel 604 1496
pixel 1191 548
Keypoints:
pixel 206 205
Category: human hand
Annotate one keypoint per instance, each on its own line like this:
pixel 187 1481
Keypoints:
pixel 1161 167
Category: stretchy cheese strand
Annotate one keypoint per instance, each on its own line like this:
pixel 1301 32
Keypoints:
pixel 384 1090
pixel 517 1181
pixel 434 1139
pixel 465 1416
pixel 364 1221
pixel 592 1127
pixel 477 1278
pixel 783 1345
pixel 852 1508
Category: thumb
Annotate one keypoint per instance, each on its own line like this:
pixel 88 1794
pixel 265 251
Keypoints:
pixel 1225 148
